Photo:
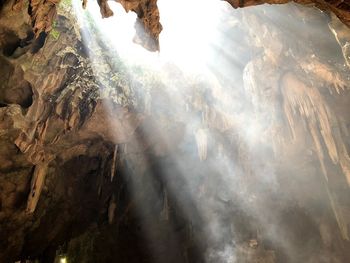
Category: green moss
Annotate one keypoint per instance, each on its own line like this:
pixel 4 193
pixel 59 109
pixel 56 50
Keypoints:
pixel 54 33
pixel 66 3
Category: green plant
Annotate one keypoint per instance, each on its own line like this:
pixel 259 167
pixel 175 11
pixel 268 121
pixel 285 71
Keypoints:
pixel 54 33
pixel 66 3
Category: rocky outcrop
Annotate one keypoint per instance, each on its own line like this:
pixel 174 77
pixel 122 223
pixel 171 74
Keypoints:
pixel 148 27
pixel 43 13
pixel 100 160
pixel 339 8
pixel 49 99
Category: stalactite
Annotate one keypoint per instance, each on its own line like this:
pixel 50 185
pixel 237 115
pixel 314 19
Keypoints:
pixel 114 164
pixel 344 162
pixel 165 211
pixel 308 103
pixel 37 184
pixel 202 143
pixel 342 35
pixel 100 178
pixel 339 215
pixel 111 209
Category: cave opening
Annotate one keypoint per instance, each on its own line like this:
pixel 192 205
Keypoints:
pixel 223 139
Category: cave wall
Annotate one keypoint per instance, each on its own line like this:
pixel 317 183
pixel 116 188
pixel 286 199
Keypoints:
pixel 87 167
pixel 148 27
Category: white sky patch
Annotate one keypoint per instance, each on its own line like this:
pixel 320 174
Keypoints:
pixel 119 29
pixel 189 28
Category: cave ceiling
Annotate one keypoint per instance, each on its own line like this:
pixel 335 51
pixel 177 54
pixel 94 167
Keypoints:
pixel 42 14
pixel 103 160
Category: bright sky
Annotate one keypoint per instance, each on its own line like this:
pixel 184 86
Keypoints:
pixel 189 26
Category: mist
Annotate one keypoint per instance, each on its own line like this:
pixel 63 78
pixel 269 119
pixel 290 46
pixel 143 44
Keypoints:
pixel 238 140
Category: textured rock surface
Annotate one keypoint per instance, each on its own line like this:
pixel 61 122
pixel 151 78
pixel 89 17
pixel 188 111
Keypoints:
pixel 87 148
pixel 42 13
pixel 340 8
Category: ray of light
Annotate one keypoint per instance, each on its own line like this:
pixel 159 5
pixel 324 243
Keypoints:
pixel 215 107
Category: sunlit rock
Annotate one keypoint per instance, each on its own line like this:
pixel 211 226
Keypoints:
pixel 231 144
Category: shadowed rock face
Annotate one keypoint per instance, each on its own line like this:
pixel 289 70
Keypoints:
pixel 14 89
pixel 103 164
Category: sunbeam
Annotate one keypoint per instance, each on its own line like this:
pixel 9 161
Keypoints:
pixel 233 122
pixel 229 144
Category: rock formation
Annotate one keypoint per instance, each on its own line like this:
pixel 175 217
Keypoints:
pixel 42 14
pixel 103 162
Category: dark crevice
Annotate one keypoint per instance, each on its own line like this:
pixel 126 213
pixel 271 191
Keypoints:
pixel 38 43
pixel 9 42
pixel 14 89
pixel 10 48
